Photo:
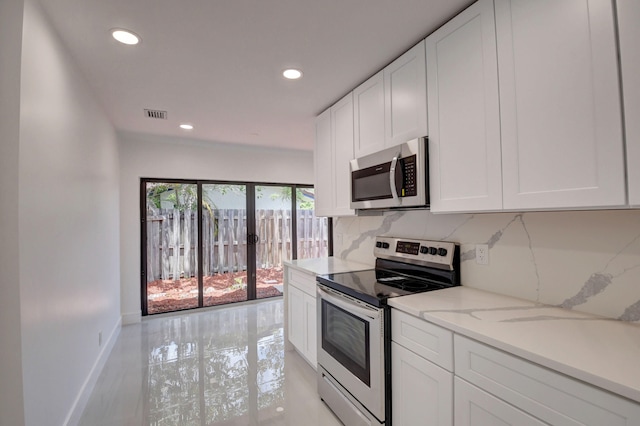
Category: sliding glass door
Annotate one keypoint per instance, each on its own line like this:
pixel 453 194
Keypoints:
pixel 211 243
pixel 171 213
pixel 273 236
pixel 224 240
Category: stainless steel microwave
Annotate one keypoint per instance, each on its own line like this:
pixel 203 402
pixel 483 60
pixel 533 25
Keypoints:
pixel 395 177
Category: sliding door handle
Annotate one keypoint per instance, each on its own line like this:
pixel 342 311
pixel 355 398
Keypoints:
pixel 252 239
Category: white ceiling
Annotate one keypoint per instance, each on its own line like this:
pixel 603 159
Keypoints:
pixel 217 63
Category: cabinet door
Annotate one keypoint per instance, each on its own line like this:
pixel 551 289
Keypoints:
pixel 296 317
pixel 422 391
pixel 629 31
pixel 405 87
pixel 323 165
pixel 475 407
pixel 464 116
pixel 555 398
pixel 368 108
pixel 311 343
pixel 342 142
pixel 560 104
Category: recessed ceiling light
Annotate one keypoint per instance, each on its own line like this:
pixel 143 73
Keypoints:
pixel 186 126
pixel 125 36
pixel 292 74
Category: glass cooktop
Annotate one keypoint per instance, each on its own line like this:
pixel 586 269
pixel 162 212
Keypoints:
pixel 375 286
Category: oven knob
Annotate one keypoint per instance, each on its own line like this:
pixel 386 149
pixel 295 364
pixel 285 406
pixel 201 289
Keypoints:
pixel 385 245
pixel 433 250
pixel 442 251
pixel 424 249
pixel 378 244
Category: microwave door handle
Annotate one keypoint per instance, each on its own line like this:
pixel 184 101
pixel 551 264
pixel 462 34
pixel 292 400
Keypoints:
pixel 392 178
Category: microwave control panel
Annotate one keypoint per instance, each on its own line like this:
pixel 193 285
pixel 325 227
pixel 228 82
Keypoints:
pixel 409 188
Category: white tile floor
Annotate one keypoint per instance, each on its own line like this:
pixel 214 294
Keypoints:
pixel 225 366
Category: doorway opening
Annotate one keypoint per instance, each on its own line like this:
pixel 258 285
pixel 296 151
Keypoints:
pixel 207 243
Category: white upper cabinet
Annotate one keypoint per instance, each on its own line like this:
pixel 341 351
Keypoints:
pixel 368 109
pixel 464 116
pixel 629 32
pixel 323 162
pixel 333 151
pixel 561 126
pixel 405 101
pixel 530 117
pixel 390 108
pixel 342 138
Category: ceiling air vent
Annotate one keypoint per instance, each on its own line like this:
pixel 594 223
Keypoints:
pixel 154 113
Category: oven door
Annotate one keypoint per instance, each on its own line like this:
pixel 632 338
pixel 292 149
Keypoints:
pixel 351 347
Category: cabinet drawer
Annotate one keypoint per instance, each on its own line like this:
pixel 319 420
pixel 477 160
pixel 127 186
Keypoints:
pixel 430 341
pixel 475 407
pixel 305 282
pixel 547 395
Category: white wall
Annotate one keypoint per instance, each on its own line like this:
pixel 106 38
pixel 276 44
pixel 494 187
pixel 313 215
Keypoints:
pixel 11 399
pixel 583 260
pixel 69 222
pixel 158 157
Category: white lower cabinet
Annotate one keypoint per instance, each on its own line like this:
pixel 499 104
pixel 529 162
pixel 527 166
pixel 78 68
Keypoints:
pixel 422 392
pixel 295 308
pixel 439 378
pixel 421 385
pixel 301 313
pixel 475 407
pixel 310 338
pixel 553 398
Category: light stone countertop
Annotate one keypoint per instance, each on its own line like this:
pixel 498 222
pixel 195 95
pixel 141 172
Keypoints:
pixel 327 265
pixel 600 351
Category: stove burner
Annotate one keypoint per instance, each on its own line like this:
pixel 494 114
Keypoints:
pixel 409 284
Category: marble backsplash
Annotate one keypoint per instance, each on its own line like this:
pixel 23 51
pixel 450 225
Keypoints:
pixel 588 261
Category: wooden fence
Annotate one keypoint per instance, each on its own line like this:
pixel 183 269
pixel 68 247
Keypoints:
pixel 172 241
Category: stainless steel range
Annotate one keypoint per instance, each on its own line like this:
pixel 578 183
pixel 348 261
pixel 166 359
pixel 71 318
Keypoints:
pixel 354 342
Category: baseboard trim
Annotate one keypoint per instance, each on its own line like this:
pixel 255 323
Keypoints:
pixel 132 318
pixel 73 418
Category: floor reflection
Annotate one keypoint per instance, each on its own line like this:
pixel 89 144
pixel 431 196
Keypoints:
pixel 219 367
pixel 209 370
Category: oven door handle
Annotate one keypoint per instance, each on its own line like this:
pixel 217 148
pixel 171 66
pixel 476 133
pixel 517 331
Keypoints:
pixel 349 306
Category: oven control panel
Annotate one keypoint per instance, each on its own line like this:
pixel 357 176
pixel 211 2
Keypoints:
pixel 438 254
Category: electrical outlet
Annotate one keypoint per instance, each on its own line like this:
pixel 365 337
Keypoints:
pixel 482 254
pixel 100 338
